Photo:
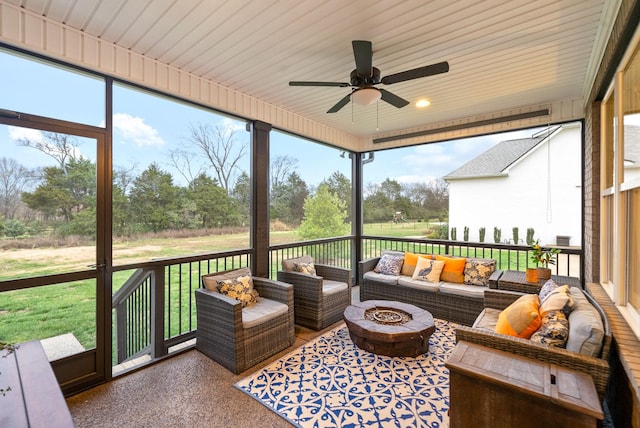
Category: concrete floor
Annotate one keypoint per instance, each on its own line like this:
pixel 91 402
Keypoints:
pixel 187 390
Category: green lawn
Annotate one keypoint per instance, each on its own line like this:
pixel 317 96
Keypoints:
pixel 48 311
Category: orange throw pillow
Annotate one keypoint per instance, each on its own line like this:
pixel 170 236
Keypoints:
pixel 521 318
pixel 453 269
pixel 410 262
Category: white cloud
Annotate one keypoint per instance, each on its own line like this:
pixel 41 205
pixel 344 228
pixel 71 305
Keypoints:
pixel 134 129
pixel 16 134
pixel 416 178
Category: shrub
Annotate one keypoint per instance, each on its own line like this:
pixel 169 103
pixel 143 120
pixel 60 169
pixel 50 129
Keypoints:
pixel 453 234
pixel 516 237
pixel 482 232
pixel 466 234
pixel 530 233
pixel 497 234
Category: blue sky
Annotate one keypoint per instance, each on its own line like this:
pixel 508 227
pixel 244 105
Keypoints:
pixel 148 128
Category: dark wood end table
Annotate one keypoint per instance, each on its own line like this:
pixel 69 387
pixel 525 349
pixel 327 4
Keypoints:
pixel 493 388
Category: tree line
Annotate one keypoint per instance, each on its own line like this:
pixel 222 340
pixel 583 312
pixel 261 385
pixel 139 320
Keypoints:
pixel 62 197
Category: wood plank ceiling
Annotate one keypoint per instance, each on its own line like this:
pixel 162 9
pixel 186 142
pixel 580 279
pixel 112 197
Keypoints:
pixel 502 54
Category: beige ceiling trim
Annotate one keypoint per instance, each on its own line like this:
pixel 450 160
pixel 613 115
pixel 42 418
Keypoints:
pixel 561 111
pixel 32 32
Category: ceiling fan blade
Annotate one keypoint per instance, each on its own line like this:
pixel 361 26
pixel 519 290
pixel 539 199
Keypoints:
pixel 416 73
pixel 338 84
pixel 363 53
pixel 343 102
pixel 393 99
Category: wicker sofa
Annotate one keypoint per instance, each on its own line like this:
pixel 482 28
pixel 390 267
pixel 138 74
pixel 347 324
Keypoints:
pixel 497 300
pixel 459 303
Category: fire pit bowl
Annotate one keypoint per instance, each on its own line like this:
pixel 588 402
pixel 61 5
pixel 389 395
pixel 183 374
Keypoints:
pixel 389 328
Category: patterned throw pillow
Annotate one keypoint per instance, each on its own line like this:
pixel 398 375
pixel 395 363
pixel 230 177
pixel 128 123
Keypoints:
pixel 241 289
pixel 389 265
pixel 521 318
pixel 547 288
pixel 428 270
pixel 306 268
pixel 557 300
pixel 453 269
pixel 554 330
pixel 478 271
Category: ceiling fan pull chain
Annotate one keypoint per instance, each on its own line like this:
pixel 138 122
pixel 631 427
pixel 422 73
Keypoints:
pixel 377 115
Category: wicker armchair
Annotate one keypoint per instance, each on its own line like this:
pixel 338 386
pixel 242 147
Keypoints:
pixel 320 300
pixel 597 367
pixel 236 343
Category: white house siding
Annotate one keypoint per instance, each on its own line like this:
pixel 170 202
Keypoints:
pixel 519 197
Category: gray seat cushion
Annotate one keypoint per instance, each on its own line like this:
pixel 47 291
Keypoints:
pixel 263 311
pixel 380 277
pixel 407 281
pixel 330 287
pixel 586 330
pixel 487 319
pixel 474 291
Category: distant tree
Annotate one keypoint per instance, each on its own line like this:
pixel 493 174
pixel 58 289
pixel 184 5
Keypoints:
pixel 154 199
pixel 13 228
pixel 288 199
pixel 241 195
pixel 213 206
pixel 324 216
pixel 61 147
pixel 377 207
pixel 122 219
pixel 183 162
pixel 391 189
pixel 221 149
pixel 14 179
pixel 280 168
pixel 123 177
pixel 340 185
pixel 65 191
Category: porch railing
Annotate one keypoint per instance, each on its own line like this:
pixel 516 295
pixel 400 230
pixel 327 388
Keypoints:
pixel 154 309
pixel 331 251
pixel 508 256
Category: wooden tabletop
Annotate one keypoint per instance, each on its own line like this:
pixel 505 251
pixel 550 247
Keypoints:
pixel 515 280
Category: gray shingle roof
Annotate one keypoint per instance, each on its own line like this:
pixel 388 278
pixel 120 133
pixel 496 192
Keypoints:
pixel 498 158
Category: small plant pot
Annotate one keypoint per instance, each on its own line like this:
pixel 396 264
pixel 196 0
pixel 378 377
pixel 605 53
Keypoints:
pixel 544 273
pixel 531 275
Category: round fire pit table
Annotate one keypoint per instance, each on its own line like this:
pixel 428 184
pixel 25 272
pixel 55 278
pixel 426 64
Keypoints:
pixel 389 328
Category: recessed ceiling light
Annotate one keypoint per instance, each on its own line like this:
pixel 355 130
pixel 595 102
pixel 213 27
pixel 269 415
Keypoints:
pixel 423 103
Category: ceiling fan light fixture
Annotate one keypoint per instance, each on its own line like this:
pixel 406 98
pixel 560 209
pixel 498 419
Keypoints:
pixel 366 96
pixel 423 103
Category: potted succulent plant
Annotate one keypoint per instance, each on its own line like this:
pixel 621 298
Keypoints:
pixel 543 257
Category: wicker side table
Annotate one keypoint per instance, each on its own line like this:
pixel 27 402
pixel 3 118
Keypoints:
pixel 514 280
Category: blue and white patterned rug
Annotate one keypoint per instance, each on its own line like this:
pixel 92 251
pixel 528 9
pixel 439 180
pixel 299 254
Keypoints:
pixel 329 382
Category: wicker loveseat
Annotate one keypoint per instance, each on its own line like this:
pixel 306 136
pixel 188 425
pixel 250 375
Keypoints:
pixel 595 365
pixel 456 302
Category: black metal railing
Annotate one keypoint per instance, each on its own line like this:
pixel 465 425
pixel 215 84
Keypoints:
pixel 332 251
pixel 508 256
pixel 155 307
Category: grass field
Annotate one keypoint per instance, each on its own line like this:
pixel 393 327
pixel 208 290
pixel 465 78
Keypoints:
pixel 48 311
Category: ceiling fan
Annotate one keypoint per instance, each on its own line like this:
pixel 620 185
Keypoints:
pixel 365 77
